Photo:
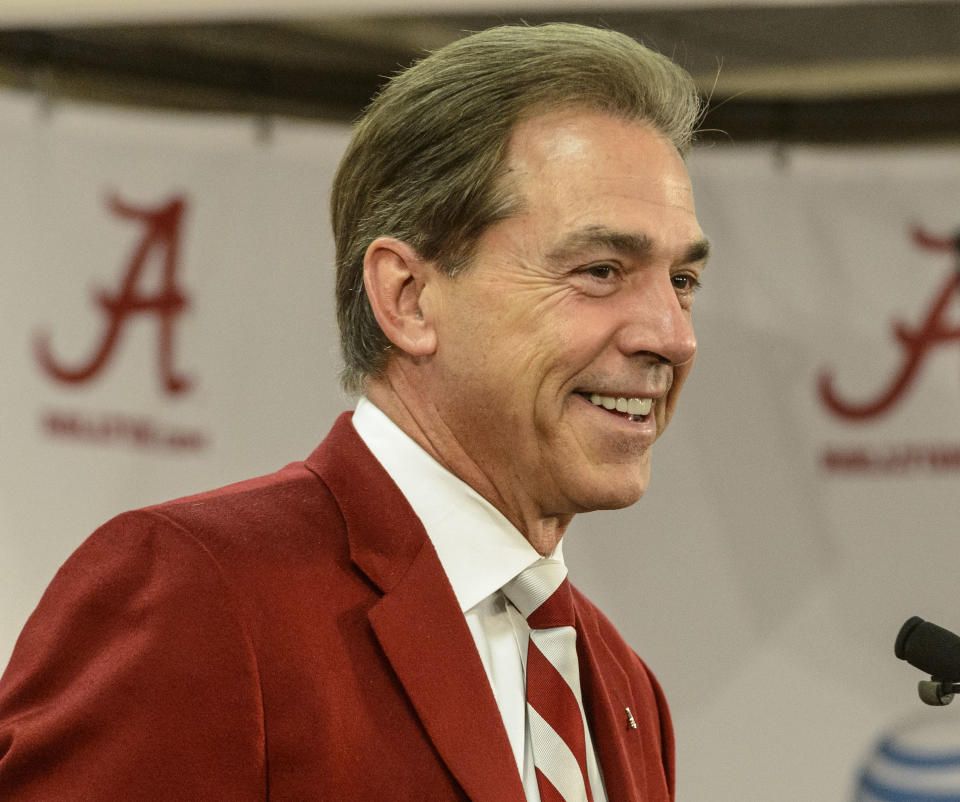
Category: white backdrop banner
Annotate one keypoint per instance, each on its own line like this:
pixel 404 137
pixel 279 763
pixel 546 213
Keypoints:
pixel 168 327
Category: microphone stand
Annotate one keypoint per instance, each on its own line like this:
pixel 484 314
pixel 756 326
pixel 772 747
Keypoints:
pixel 937 692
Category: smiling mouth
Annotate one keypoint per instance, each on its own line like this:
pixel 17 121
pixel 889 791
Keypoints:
pixel 635 409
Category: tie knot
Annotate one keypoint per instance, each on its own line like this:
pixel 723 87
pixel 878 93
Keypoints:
pixel 542 595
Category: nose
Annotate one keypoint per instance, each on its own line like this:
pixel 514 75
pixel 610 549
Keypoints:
pixel 658 323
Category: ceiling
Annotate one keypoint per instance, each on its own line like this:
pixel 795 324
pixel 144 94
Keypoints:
pixel 887 72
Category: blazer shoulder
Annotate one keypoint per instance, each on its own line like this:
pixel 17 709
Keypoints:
pixel 289 484
pixel 288 492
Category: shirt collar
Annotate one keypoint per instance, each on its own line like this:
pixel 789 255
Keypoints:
pixel 479 549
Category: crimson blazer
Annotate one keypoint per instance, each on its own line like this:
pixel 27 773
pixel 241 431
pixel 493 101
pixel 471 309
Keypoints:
pixel 291 637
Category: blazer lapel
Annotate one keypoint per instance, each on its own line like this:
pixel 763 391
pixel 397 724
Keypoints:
pixel 606 697
pixel 424 635
pixel 418 621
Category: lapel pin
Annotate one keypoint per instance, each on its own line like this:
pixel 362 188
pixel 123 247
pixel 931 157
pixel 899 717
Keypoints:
pixel 631 723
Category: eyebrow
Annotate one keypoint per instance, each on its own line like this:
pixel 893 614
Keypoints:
pixel 628 244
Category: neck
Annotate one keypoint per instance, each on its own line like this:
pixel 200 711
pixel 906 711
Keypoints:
pixel 398 396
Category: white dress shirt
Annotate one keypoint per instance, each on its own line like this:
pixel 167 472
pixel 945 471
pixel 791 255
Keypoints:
pixel 480 551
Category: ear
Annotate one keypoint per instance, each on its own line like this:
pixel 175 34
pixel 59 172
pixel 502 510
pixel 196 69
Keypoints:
pixel 396 279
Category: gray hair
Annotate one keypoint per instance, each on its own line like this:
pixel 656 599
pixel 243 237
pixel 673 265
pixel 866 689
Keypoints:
pixel 426 158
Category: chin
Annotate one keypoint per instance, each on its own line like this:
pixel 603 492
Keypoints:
pixel 609 495
pixel 615 501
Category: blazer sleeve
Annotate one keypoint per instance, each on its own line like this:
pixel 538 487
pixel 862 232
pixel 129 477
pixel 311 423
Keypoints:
pixel 134 679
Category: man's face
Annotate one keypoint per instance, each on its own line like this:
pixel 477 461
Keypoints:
pixel 582 297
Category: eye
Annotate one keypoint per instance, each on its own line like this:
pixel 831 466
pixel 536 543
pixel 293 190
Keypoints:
pixel 602 271
pixel 685 282
pixel 599 279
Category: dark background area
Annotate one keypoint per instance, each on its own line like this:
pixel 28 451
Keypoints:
pixel 866 72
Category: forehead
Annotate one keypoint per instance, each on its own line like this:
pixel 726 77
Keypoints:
pixel 576 154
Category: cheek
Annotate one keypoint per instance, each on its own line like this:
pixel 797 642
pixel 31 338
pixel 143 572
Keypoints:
pixel 536 345
pixel 680 376
pixel 520 350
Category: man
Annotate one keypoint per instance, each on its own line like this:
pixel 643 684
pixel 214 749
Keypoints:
pixel 517 254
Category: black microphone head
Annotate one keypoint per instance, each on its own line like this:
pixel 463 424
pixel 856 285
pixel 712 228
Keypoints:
pixel 930 648
pixel 900 647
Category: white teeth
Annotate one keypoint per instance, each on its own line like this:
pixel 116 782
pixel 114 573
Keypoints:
pixel 632 406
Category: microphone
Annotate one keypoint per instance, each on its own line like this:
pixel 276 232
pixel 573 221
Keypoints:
pixel 934 650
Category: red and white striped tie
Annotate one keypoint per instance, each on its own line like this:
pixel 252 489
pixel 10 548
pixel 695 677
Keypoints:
pixel 555 720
